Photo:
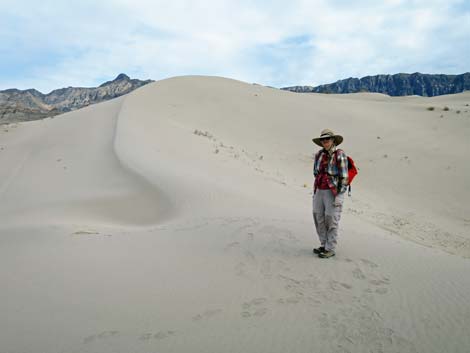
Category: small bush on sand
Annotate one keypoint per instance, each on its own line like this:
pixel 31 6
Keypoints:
pixel 430 108
pixel 445 109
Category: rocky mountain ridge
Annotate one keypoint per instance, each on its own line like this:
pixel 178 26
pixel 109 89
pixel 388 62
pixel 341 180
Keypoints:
pixel 427 85
pixel 25 105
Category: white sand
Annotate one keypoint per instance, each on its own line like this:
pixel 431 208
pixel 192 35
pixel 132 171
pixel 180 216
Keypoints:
pixel 123 230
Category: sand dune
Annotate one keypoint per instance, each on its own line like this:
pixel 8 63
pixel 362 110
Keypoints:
pixel 64 171
pixel 178 218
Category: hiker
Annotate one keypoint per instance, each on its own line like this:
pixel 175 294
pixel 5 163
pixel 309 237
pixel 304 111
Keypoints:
pixel 330 169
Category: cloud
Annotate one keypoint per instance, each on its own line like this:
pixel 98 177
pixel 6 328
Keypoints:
pixel 56 44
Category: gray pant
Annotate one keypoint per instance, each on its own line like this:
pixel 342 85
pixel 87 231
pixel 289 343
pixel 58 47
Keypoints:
pixel 326 217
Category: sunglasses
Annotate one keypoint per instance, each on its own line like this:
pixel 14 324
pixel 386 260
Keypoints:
pixel 325 139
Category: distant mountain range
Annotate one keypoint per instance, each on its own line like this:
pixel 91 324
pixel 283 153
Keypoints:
pixel 395 85
pixel 25 105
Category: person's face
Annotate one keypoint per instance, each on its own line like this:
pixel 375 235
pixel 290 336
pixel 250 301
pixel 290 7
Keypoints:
pixel 326 142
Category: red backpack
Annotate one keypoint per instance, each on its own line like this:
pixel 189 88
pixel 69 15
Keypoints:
pixel 352 172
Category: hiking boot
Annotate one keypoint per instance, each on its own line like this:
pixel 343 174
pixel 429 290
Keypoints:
pixel 319 250
pixel 326 254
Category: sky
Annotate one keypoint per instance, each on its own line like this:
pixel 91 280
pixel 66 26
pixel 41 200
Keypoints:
pixel 82 43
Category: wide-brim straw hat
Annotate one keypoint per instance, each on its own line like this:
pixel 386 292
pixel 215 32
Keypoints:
pixel 328 133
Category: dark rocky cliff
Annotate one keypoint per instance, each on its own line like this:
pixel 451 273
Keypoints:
pixel 18 105
pixel 395 85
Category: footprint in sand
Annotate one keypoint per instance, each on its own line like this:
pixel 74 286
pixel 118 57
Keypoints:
pixel 357 273
pixel 163 334
pixel 240 269
pixel 254 302
pixel 337 286
pixel 207 314
pixel 289 300
pixel 157 336
pixel 369 263
pixel 260 312
pixel 232 245
pixel 266 268
pixel 379 283
pixel 381 291
pixel 99 336
pixel 249 256
pixel 85 232
pixel 146 336
pixel 254 308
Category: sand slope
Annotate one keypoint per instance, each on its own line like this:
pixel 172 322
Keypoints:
pixel 177 218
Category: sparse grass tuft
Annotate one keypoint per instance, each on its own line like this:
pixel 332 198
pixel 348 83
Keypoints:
pixel 430 108
pixel 445 109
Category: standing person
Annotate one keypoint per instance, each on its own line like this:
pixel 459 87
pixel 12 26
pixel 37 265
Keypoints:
pixel 330 169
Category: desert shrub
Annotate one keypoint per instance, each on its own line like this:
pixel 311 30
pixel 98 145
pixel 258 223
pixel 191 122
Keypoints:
pixel 445 109
pixel 430 108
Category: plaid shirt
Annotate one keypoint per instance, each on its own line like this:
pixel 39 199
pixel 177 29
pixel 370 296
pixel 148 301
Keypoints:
pixel 337 170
